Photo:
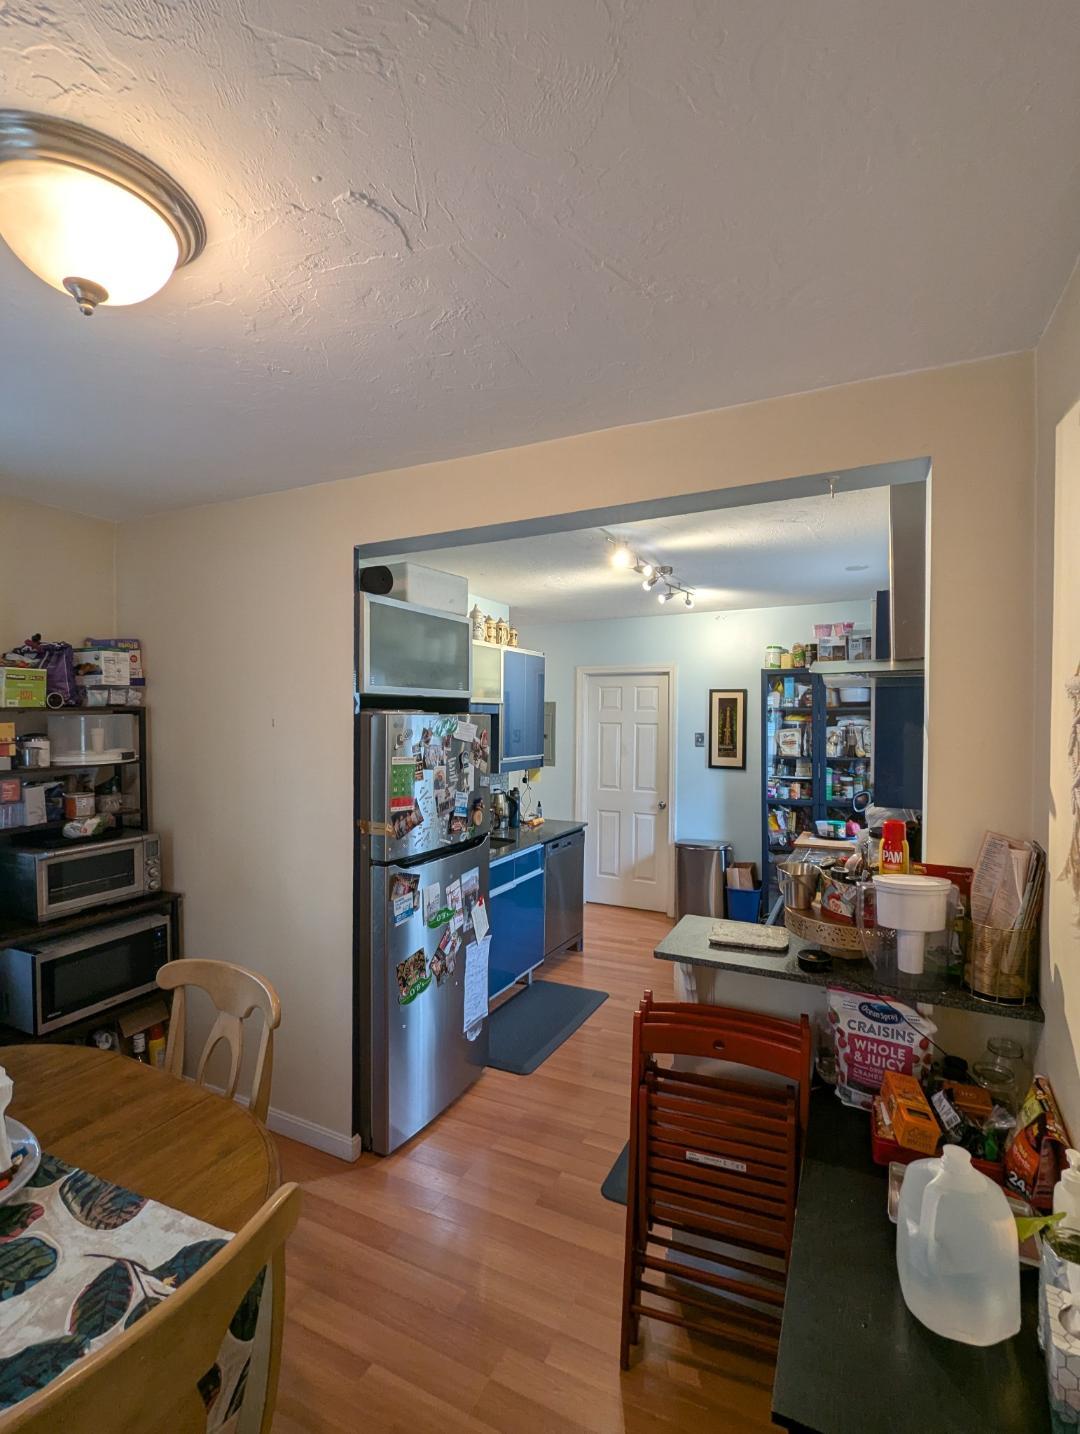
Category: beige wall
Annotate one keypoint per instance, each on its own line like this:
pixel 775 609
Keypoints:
pixel 1057 653
pixel 56 574
pixel 246 612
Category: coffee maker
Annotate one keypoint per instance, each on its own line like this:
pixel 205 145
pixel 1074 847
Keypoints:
pixel 500 809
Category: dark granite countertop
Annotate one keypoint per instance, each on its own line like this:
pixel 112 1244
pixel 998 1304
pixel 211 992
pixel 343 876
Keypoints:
pixel 525 837
pixel 689 942
pixel 851 1356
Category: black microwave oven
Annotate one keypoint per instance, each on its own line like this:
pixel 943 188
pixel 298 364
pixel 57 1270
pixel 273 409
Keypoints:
pixel 47 983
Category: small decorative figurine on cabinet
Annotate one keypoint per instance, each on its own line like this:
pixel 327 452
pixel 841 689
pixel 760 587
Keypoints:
pixel 512 640
pixel 489 629
pixel 476 617
pixel 502 631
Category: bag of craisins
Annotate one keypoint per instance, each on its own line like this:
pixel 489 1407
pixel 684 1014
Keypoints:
pixel 58 660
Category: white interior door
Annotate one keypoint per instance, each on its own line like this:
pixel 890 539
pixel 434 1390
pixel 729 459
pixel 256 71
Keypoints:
pixel 627 845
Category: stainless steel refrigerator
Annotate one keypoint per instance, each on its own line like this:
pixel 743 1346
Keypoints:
pixel 424 821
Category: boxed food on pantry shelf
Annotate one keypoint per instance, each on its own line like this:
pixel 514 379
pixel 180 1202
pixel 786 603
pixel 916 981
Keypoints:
pixel 22 687
pixel 102 667
pixel 858 647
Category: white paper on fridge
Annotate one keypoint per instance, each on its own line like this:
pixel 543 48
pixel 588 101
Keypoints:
pixel 480 919
pixel 465 732
pixel 476 985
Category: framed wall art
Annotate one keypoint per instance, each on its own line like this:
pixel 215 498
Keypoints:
pixel 727 727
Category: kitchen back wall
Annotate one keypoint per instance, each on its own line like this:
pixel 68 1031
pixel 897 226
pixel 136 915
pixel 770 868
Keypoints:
pixel 707 649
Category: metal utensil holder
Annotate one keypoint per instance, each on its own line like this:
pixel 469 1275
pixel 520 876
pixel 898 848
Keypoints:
pixel 1000 963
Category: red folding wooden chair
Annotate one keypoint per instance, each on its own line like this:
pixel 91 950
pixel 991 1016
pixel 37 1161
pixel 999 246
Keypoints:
pixel 713 1171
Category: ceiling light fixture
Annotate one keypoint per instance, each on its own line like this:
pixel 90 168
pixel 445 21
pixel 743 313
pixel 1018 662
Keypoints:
pixel 622 556
pixel 90 216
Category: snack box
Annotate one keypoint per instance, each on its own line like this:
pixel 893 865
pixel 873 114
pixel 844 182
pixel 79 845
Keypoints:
pixel 7 733
pixel 885 1150
pixel 970 1100
pixel 914 1124
pixel 10 789
pixel 104 667
pixel 22 687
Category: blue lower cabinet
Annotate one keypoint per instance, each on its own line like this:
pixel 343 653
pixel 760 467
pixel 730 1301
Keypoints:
pixel 516 901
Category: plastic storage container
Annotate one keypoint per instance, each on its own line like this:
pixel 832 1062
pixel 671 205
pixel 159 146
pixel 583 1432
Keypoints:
pixel 957 1253
pixel 743 905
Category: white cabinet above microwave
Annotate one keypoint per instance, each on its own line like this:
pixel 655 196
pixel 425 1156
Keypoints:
pixel 410 651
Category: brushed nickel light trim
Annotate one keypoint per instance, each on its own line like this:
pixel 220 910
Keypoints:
pixel 26 135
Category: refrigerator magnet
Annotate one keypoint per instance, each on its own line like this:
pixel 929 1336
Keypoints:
pixel 406 821
pixel 412 978
pixel 401 783
pixel 480 919
pixel 461 803
pixel 432 900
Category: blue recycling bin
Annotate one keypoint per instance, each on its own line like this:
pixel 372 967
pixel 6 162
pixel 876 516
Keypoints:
pixel 743 905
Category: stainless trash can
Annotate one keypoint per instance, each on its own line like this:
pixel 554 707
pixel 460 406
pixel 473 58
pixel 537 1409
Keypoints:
pixel 701 877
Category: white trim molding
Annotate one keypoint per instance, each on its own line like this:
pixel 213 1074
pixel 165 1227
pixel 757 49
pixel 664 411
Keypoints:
pixel 293 1127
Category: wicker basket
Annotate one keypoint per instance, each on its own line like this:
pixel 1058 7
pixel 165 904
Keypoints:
pixel 843 942
pixel 1000 963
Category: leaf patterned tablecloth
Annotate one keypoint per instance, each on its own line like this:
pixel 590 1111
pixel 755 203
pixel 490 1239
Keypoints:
pixel 81 1260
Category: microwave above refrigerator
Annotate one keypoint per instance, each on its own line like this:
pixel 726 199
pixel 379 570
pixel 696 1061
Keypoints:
pixel 408 651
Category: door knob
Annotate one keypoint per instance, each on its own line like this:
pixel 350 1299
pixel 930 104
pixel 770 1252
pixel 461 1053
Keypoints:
pixel 662 805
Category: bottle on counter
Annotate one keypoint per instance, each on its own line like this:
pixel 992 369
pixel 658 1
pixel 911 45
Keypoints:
pixel 155 1045
pixel 957 1251
pixel 894 858
pixel 1067 1192
pixel 138 1047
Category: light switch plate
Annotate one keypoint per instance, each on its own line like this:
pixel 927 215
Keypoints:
pixel 699 739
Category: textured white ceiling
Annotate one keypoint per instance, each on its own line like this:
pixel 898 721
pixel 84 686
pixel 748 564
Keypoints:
pixel 761 555
pixel 446 226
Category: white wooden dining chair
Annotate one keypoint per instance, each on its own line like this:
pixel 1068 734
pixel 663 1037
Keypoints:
pixel 236 994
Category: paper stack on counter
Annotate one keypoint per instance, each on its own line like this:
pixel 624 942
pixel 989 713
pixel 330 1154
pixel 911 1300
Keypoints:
pixel 1006 889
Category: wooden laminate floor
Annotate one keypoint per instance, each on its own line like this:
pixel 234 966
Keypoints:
pixel 470 1283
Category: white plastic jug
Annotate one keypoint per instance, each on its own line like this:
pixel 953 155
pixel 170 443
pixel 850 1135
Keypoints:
pixel 957 1252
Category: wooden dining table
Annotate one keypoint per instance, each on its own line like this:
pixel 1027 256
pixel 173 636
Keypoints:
pixel 168 1139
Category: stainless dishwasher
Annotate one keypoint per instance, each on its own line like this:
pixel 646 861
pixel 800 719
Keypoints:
pixel 564 893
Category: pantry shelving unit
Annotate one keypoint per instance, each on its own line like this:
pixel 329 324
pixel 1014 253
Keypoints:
pixel 815 782
pixel 90 770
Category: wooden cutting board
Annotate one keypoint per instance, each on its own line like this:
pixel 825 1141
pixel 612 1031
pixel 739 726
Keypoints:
pixel 746 936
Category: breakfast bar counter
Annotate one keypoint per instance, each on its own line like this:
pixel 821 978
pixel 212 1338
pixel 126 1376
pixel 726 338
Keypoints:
pixel 688 944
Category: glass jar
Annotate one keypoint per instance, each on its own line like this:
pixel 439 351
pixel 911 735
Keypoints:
pixel 1000 1075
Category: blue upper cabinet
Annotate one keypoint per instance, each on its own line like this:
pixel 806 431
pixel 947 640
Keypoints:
pixel 523 710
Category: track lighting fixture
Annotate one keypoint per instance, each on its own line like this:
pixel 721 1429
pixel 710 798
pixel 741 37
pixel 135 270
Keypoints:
pixel 651 574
